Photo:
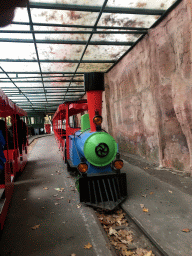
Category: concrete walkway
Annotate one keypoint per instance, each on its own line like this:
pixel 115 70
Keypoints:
pixel 45 199
pixel 169 210
pixel 65 229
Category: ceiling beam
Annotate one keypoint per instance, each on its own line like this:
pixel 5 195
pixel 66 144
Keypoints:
pixel 77 26
pixel 37 73
pixel 57 61
pixel 71 32
pixel 30 41
pixel 47 88
pixel 35 45
pixel 51 81
pixel 86 8
pixel 34 77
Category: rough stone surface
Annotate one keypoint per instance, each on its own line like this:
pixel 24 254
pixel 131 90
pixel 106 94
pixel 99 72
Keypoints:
pixel 148 94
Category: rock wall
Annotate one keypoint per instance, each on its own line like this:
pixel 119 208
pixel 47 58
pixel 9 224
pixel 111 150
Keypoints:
pixel 148 94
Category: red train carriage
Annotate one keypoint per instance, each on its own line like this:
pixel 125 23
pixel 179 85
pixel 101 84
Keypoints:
pixel 64 124
pixel 15 150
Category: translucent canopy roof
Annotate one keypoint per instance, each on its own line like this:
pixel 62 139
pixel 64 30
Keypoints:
pixel 51 44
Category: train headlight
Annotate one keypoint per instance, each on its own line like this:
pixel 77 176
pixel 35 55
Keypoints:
pixel 118 164
pixel 97 120
pixel 82 167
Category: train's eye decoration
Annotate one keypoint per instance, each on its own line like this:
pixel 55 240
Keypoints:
pixel 102 150
pixel 97 120
pixel 82 167
pixel 118 164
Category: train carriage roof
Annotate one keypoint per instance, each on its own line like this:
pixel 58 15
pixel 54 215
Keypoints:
pixel 75 107
pixel 7 107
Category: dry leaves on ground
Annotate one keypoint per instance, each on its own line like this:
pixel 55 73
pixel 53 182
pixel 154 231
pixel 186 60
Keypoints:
pixel 116 227
pixel 88 246
pixel 186 230
pixel 144 252
pixel 145 210
pixel 60 189
pixel 35 227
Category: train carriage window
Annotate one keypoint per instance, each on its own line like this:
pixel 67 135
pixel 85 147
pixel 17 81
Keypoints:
pixel 74 122
pixel 64 125
pixel 32 120
pixel 71 122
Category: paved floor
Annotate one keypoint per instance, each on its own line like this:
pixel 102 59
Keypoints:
pixel 165 196
pixel 169 209
pixel 45 199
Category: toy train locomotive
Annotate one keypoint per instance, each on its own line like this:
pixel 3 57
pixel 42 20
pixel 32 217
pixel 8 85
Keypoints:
pixel 89 149
pixel 13 150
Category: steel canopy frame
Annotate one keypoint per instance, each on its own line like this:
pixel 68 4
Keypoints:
pixel 58 76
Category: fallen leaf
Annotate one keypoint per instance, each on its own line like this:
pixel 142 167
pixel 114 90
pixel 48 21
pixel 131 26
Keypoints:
pixel 127 253
pixel 121 247
pixel 114 243
pixel 186 230
pixel 148 253
pixel 143 252
pixel 120 217
pixel 88 246
pixel 145 210
pixel 60 189
pixel 46 188
pixel 151 193
pixel 124 242
pixel 36 227
pixel 112 231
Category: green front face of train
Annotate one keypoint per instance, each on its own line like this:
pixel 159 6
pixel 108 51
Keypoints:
pixel 100 149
